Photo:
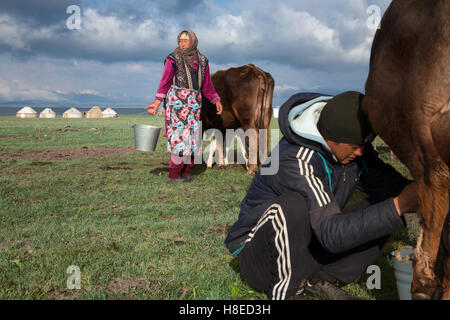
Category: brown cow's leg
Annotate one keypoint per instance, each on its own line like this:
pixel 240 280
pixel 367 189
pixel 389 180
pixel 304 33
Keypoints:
pixel 446 278
pixel 415 147
pixel 446 285
pixel 433 199
pixel 263 145
pixel 252 158
pixel 253 149
pixel 444 256
pixel 220 153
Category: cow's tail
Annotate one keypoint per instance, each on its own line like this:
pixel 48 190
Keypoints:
pixel 263 88
pixel 266 112
pixel 266 86
pixel 266 90
pixel 267 107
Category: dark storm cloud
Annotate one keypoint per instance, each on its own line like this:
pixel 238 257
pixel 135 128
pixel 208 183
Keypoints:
pixel 179 7
pixel 41 12
pixel 288 32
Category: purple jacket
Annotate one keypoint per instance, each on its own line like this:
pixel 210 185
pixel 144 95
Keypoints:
pixel 208 88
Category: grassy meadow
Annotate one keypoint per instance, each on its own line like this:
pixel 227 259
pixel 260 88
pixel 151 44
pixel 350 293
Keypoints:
pixel 132 235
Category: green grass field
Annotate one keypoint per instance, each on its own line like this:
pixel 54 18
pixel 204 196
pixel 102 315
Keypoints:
pixel 132 235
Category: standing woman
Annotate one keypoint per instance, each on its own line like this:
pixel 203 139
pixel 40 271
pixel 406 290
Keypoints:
pixel 185 77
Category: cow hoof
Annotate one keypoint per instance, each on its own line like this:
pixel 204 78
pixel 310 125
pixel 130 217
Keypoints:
pixel 252 170
pixel 420 296
pixel 426 289
pixel 221 166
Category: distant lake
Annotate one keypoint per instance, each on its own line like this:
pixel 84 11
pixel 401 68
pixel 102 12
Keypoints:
pixel 12 110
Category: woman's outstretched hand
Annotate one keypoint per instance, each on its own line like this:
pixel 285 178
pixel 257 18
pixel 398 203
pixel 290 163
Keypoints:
pixel 151 108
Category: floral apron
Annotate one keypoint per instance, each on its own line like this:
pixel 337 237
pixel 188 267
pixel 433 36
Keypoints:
pixel 182 116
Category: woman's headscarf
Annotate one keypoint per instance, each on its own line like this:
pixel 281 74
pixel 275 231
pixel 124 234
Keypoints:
pixel 190 53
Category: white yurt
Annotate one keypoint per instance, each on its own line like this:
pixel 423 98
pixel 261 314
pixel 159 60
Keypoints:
pixel 72 113
pixel 109 113
pixel 26 112
pixel 94 112
pixel 47 113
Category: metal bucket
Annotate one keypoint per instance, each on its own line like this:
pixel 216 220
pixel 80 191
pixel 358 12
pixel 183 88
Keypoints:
pixel 402 262
pixel 146 136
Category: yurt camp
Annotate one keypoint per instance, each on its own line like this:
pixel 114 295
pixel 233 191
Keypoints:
pixel 109 113
pixel 72 113
pixel 26 112
pixel 94 112
pixel 47 113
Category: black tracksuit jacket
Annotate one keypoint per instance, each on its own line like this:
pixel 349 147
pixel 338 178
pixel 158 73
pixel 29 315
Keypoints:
pixel 307 166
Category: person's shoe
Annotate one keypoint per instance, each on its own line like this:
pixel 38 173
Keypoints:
pixel 174 180
pixel 301 295
pixel 188 178
pixel 326 291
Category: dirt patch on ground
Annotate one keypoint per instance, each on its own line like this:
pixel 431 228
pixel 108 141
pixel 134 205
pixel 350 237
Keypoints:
pixel 41 163
pixel 162 198
pixel 221 230
pixel 21 172
pixel 66 129
pixel 70 153
pixel 40 133
pixel 29 201
pixel 115 286
pixel 108 168
pixel 123 285
pixel 167 217
pixel 230 189
pixel 23 136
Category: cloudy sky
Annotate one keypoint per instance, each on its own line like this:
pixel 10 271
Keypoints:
pixel 113 54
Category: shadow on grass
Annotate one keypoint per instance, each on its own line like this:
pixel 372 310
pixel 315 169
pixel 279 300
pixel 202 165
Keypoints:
pixel 234 264
pixel 159 171
pixel 388 290
pixel 198 169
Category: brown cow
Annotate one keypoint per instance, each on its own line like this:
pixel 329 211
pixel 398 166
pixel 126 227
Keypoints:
pixel 246 94
pixel 408 104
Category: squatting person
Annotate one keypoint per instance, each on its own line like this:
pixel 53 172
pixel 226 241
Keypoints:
pixel 295 237
pixel 185 77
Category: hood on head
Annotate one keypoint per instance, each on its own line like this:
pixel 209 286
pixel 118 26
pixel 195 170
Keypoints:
pixel 298 118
